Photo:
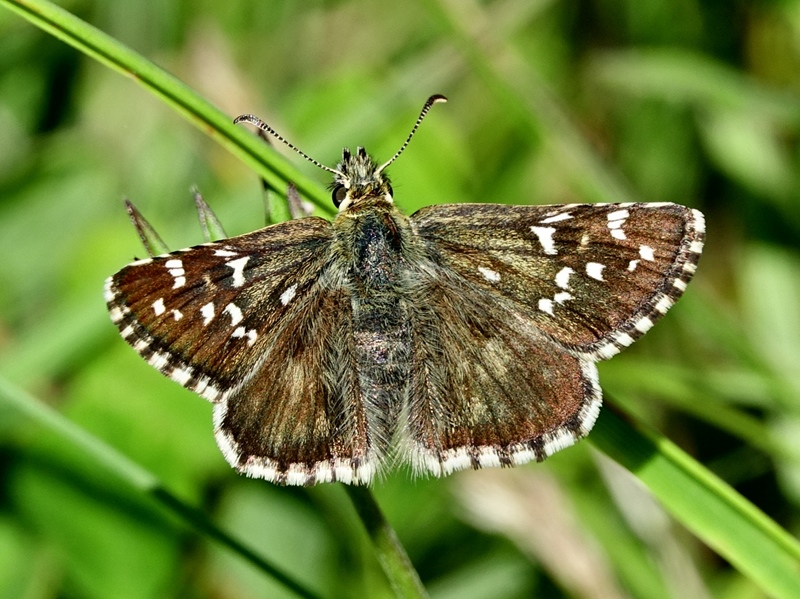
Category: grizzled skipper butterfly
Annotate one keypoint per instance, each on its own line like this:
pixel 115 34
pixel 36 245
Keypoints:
pixel 462 336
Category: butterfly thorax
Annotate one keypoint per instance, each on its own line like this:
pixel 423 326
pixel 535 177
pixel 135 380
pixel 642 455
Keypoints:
pixel 371 236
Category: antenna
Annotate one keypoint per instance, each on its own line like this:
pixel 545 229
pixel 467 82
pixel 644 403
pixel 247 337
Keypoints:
pixel 435 99
pixel 254 120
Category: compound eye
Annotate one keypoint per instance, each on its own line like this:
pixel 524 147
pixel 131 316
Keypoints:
pixel 390 190
pixel 338 195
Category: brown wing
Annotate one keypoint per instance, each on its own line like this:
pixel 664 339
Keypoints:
pixel 595 277
pixel 245 323
pixel 299 417
pixel 487 388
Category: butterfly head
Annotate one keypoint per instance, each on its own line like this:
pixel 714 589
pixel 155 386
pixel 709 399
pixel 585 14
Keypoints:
pixel 358 177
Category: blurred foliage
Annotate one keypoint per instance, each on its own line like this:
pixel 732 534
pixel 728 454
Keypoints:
pixel 686 101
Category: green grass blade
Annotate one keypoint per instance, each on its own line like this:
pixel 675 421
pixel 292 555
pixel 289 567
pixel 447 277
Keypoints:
pixel 209 223
pixel 708 507
pixel 173 92
pixel 16 403
pixel 151 240
pixel 391 554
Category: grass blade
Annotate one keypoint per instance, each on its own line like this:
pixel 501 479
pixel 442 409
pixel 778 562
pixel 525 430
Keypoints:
pixel 173 92
pixel 391 554
pixel 712 510
pixel 19 403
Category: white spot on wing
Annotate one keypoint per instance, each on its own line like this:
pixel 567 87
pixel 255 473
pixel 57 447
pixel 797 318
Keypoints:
pixel 241 332
pixel 699 221
pixel 175 269
pixel 261 468
pixel 235 314
pixel 615 221
pixel 323 472
pixel 489 274
pixel 207 313
pixel 605 351
pixel 664 304
pixel 177 314
pixel 158 360
pixel 562 296
pixel 556 218
pixel 108 292
pixel 457 459
pixel 647 253
pixel 296 475
pixel 288 295
pixel 623 339
pixel 365 471
pixel 181 375
pixel 225 253
pixel 488 458
pixel 632 265
pixel 589 412
pixel 206 390
pixel 344 472
pixel 545 236
pixel 218 415
pixel 522 456
pixel 595 270
pixel 644 325
pixel 562 277
pixel 559 440
pixel 546 305
pixel 158 306
pixel 238 270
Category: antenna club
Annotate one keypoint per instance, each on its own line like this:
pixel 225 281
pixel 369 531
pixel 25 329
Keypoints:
pixel 434 99
pixel 249 118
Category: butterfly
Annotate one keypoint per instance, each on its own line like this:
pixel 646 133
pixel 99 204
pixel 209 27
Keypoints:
pixel 462 336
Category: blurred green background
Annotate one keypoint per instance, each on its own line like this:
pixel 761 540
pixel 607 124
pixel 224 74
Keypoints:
pixel 550 102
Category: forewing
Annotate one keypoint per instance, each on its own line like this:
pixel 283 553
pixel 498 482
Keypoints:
pixel 487 388
pixel 593 277
pixel 206 315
